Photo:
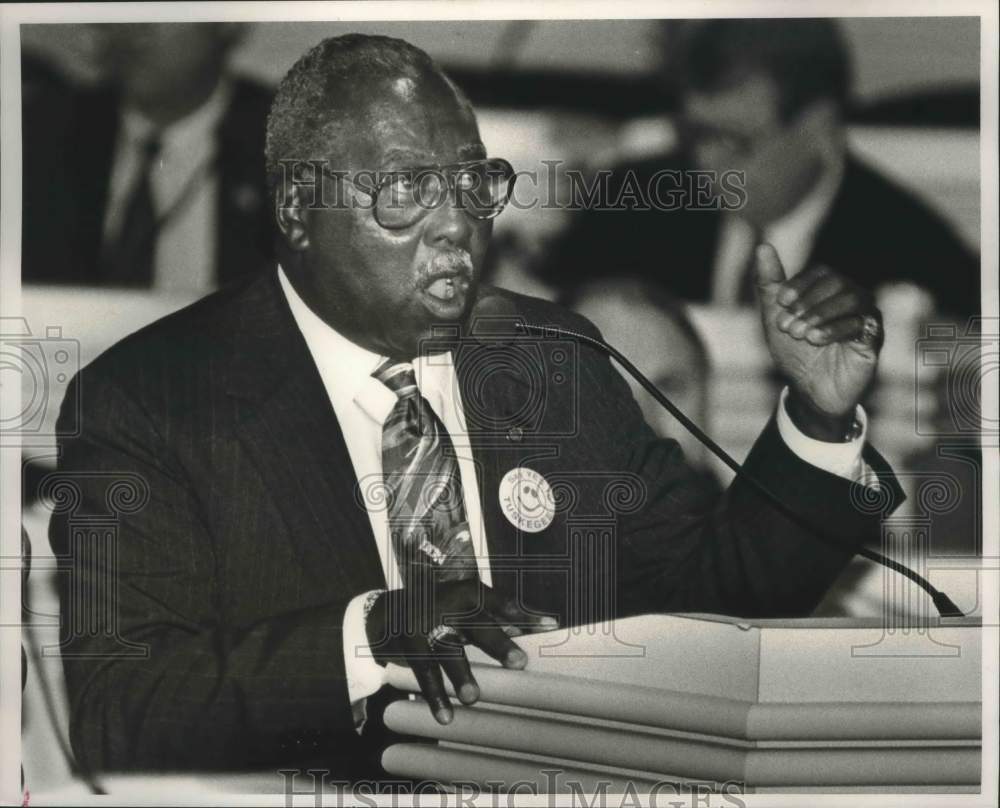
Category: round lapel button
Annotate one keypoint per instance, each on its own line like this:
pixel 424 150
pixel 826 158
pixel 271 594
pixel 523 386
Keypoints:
pixel 526 499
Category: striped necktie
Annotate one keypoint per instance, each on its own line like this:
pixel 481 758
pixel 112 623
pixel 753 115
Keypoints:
pixel 425 501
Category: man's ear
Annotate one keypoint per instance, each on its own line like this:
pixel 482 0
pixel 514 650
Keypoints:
pixel 291 215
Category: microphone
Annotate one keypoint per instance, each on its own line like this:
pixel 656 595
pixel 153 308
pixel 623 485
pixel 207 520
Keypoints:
pixel 494 318
pixel 945 606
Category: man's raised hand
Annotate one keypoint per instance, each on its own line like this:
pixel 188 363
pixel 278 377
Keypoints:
pixel 824 333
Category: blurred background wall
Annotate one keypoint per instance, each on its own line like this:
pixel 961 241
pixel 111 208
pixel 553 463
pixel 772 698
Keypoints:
pixel 564 89
pixel 891 54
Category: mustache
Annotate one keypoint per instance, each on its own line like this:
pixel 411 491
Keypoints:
pixel 456 263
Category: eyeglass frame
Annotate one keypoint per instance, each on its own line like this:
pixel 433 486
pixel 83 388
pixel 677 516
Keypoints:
pixel 449 172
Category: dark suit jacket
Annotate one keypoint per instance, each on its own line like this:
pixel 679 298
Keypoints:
pixel 211 452
pixel 68 153
pixel 875 232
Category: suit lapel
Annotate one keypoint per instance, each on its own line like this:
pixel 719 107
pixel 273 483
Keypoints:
pixel 494 392
pixel 489 460
pixel 839 228
pixel 288 426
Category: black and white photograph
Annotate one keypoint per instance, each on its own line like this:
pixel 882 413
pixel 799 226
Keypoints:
pixel 466 404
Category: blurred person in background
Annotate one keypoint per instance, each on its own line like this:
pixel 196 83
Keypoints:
pixel 539 213
pixel 154 178
pixel 516 255
pixel 655 333
pixel 769 97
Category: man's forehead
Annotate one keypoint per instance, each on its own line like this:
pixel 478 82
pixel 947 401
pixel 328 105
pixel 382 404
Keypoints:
pixel 413 122
pixel 747 103
pixel 416 156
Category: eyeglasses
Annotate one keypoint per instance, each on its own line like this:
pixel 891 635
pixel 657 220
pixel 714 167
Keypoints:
pixel 399 199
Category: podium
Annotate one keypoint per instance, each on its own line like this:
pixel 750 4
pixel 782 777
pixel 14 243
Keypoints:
pixel 655 703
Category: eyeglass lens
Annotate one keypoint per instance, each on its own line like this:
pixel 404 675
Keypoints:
pixel 480 188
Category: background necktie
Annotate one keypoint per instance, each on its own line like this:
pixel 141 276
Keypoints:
pixel 129 258
pixel 747 294
pixel 426 504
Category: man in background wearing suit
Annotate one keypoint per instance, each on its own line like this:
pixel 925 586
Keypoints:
pixel 769 97
pixel 341 464
pixel 154 179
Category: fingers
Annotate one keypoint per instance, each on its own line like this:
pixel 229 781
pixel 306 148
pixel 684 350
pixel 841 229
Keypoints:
pixel 431 682
pixel 811 323
pixel 544 623
pixel 508 612
pixel 444 654
pixel 767 266
pixel 797 293
pixel 459 672
pixel 815 288
pixel 822 307
pixel 477 617
pixel 460 612
pixel 488 636
pixel 851 327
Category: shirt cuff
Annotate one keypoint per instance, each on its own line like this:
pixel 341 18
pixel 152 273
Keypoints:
pixel 364 675
pixel 842 459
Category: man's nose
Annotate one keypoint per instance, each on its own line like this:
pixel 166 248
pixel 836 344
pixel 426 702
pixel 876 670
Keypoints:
pixel 449 223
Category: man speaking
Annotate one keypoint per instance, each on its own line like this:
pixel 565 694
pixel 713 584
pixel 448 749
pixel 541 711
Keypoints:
pixel 346 463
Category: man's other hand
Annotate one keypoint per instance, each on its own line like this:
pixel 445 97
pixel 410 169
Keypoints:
pixel 427 631
pixel 824 333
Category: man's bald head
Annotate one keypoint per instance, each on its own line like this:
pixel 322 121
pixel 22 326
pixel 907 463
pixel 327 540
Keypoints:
pixel 329 90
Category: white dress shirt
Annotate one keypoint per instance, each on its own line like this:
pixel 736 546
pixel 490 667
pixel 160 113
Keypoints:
pixel 185 188
pixel 792 236
pixel 362 403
